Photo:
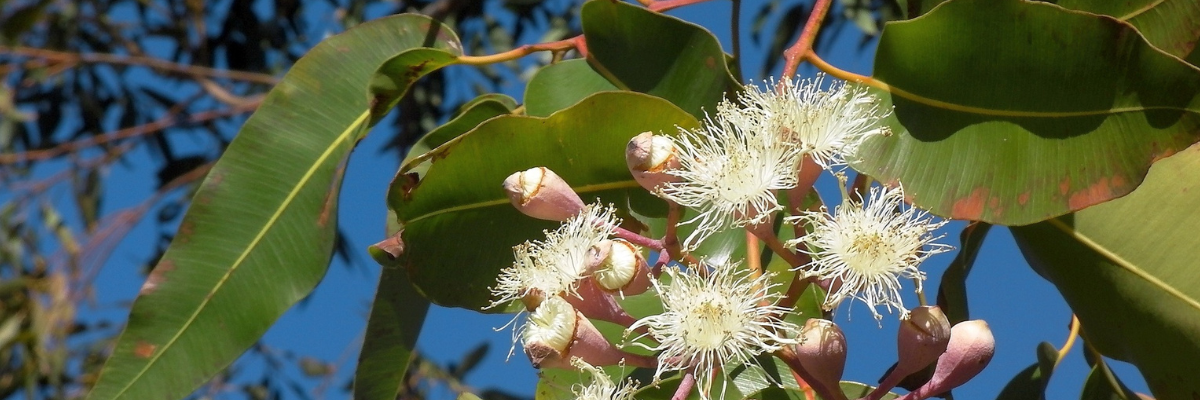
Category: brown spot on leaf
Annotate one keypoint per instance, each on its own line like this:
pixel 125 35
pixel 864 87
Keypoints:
pixel 143 349
pixel 1100 191
pixel 970 207
pixel 1023 198
pixel 156 278
pixel 407 183
pixel 710 62
pixel 1064 187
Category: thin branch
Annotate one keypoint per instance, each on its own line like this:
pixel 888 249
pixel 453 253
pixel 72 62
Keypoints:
pixel 561 45
pixel 70 58
pixel 668 5
pixel 141 130
pixel 803 45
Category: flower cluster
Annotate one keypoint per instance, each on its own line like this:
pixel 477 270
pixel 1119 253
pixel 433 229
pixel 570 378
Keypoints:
pixel 716 313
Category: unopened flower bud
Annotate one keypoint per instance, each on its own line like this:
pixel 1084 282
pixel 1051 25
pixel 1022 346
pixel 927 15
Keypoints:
pixel 649 157
pixel 921 339
pixel 594 302
pixel 623 268
pixel 556 332
pixel 970 349
pixel 822 353
pixel 540 193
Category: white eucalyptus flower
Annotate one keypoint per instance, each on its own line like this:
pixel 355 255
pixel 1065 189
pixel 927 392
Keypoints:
pixel 710 321
pixel 866 250
pixel 729 172
pixel 601 386
pixel 826 124
pixel 553 266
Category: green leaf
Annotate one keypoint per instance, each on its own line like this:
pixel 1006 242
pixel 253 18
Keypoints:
pixel 1127 268
pixel 393 327
pixel 561 85
pixel 1060 110
pixel 459 227
pixel 855 390
pixel 1102 384
pixel 952 291
pixel 653 53
pixel 473 113
pixel 259 233
pixel 1170 25
pixel 1031 382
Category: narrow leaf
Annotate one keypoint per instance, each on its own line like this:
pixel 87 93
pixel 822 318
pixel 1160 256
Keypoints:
pixel 260 231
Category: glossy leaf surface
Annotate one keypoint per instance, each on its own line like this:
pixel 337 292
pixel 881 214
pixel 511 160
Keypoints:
pixel 561 85
pixel 1128 270
pixel 1170 25
pixel 459 227
pixel 260 231
pixel 1059 111
pixel 648 52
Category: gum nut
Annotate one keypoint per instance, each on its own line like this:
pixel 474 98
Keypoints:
pixel 540 193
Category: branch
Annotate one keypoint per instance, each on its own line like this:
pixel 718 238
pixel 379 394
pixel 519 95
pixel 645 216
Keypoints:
pixel 134 131
pixel 803 44
pixel 189 70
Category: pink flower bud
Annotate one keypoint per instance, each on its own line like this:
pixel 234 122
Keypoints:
pixel 649 157
pixel 540 193
pixel 594 302
pixel 623 268
pixel 921 339
pixel 556 333
pixel 970 349
pixel 822 353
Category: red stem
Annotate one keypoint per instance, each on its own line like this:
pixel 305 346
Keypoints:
pixel 667 5
pixel 794 54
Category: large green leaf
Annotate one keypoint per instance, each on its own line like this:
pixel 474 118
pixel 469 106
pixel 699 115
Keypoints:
pixel 649 52
pixel 1058 111
pixel 1170 25
pixel 259 233
pixel 1128 270
pixel 459 227
pixel 472 114
pixel 561 85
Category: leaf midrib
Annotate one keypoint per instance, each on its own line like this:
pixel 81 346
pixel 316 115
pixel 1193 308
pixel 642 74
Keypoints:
pixel 625 184
pixel 1123 263
pixel 253 244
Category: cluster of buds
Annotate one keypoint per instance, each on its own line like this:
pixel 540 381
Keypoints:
pixel 715 312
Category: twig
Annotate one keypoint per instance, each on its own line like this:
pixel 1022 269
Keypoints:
pixel 150 62
pixel 794 54
pixel 667 5
pixel 153 127
pixel 561 45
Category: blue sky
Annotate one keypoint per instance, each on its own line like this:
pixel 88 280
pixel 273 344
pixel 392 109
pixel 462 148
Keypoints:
pixel 1021 308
